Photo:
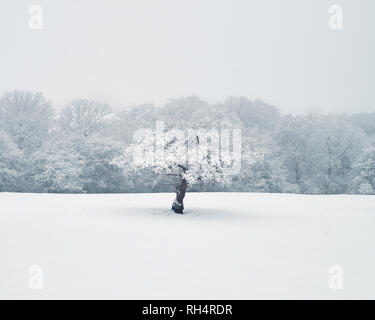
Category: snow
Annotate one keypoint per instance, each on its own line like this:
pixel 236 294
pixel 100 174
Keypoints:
pixel 226 246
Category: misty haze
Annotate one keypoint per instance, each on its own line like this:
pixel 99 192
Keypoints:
pixel 187 149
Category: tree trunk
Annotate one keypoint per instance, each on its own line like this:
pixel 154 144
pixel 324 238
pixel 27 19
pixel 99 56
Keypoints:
pixel 178 203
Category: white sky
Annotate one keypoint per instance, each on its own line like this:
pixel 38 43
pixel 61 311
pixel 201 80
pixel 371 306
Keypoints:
pixel 126 52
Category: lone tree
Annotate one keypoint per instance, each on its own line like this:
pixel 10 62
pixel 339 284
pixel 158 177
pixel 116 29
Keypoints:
pixel 187 156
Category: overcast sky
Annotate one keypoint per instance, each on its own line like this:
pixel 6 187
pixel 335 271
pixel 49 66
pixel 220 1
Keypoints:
pixel 127 52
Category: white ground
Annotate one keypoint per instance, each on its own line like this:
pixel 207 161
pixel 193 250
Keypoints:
pixel 227 246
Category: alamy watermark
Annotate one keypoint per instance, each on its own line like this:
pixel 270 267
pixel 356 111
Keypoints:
pixel 336 279
pixel 221 148
pixel 36 281
pixel 336 17
pixel 36 17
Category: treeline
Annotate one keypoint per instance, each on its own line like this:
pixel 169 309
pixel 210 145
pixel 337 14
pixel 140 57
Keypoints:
pixel 73 151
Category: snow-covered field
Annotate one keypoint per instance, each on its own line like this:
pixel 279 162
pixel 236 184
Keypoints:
pixel 227 245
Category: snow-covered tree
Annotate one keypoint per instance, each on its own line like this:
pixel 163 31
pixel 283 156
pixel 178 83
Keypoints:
pixel 83 116
pixel 295 149
pixel 99 173
pixel 11 168
pixel 26 118
pixel 77 164
pixel 364 173
pixel 337 146
pixel 189 156
pixel 58 166
pixel 254 114
pixel 261 169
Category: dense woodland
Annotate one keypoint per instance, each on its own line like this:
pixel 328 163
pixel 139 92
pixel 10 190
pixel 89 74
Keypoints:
pixel 73 151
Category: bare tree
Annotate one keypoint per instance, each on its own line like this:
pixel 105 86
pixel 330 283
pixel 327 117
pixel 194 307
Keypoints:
pixel 83 116
pixel 25 117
